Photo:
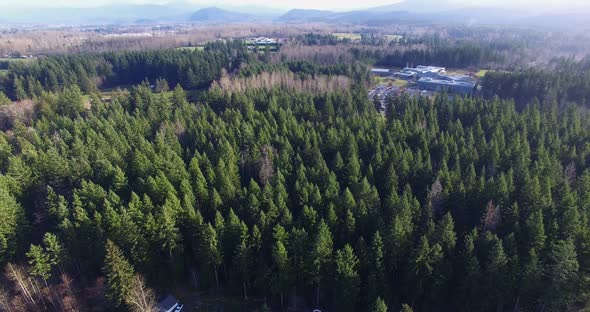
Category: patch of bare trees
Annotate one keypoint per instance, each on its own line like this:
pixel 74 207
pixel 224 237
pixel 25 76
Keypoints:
pixel 21 110
pixel 21 291
pixel 284 80
pixel 492 217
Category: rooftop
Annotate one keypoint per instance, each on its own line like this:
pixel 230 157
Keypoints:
pixel 456 82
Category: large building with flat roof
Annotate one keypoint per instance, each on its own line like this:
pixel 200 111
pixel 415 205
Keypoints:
pixel 454 85
pixel 420 71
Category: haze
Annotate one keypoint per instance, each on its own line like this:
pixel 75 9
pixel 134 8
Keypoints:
pixel 337 5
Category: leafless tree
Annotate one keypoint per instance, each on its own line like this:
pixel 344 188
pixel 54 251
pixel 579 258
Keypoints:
pixel 265 164
pixel 19 277
pixel 492 217
pixel 570 173
pixel 141 298
pixel 285 80
pixel 435 196
pixel 5 304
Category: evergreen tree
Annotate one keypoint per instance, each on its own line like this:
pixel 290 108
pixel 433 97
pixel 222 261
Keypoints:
pixel 347 279
pixel 119 274
pixel 379 305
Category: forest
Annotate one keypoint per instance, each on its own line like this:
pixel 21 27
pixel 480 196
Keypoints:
pixel 284 197
pixel 564 81
pixel 193 69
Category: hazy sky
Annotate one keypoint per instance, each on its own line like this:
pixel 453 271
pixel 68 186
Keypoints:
pixel 308 4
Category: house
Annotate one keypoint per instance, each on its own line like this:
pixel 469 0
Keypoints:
pixel 169 304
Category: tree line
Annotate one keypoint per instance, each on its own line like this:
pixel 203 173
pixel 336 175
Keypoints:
pixel 192 69
pixel 565 81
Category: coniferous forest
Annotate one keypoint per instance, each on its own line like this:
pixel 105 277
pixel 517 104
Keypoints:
pixel 284 198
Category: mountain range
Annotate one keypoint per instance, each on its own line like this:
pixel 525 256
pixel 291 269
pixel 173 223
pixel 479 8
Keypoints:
pixel 409 11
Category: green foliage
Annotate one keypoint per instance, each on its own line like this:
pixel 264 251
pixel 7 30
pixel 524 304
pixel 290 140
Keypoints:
pixel 119 274
pixel 13 226
pixel 40 262
pixel 347 279
pixel 452 204
pixel 4 100
pixel 379 305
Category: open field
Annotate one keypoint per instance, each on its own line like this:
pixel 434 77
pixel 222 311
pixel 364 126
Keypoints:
pixel 350 36
pixel 480 73
pixel 400 83
pixel 381 80
pixel 457 72
pixel 389 81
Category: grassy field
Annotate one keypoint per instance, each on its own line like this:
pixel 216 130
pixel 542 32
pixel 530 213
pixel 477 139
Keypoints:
pixel 400 83
pixel 3 72
pixel 389 81
pixel 457 72
pixel 482 72
pixel 381 80
pixel 350 36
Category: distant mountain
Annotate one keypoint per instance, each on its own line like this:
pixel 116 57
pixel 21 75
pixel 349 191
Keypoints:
pixel 418 6
pixel 368 17
pixel 217 15
pixel 404 13
pixel 112 14
pixel 302 15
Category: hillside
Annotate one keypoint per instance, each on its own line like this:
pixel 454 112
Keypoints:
pixel 217 15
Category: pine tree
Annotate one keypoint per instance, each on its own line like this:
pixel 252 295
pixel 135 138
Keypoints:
pixel 379 305
pixel 406 308
pixel 320 256
pixel 119 274
pixel 4 100
pixel 281 263
pixel 210 249
pixel 561 275
pixel 347 279
pixel 40 263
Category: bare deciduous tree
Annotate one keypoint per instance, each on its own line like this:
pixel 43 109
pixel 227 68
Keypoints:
pixel 285 80
pixel 265 164
pixel 492 217
pixel 19 277
pixel 435 196
pixel 570 173
pixel 5 304
pixel 141 298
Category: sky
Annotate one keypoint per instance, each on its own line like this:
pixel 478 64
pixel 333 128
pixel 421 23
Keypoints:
pixel 304 4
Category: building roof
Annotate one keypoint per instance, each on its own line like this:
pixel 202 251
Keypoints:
pixel 168 304
pixel 431 68
pixel 380 70
pixel 450 82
